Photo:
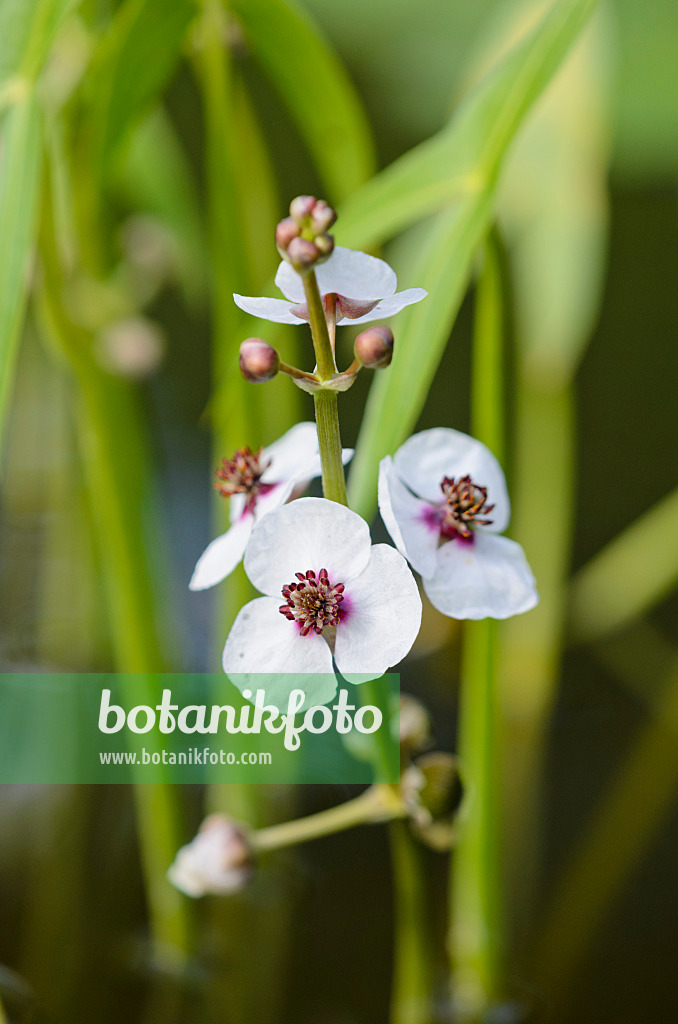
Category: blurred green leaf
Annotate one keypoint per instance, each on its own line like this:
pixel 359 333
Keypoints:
pixel 19 180
pixel 629 576
pixel 462 164
pixel 553 211
pixel 27 29
pixel 464 158
pixel 156 176
pixel 316 89
pixel 134 60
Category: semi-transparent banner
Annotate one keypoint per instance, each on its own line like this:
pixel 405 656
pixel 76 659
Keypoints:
pixel 73 728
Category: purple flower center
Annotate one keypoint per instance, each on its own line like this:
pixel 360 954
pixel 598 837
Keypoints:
pixel 313 602
pixel 242 475
pixel 465 507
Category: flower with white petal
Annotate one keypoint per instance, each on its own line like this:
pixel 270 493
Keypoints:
pixel 341 597
pixel 364 287
pixel 218 860
pixel 256 483
pixel 444 501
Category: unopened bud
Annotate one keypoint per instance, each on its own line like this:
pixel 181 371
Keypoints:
pixel 432 792
pixel 322 217
pixel 325 246
pixel 218 860
pixel 286 230
pixel 415 726
pixel 302 254
pixel 259 361
pixel 302 207
pixel 374 347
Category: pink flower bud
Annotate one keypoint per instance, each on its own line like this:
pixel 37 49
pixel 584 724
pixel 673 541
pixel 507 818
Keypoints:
pixel 302 207
pixel 374 347
pixel 259 361
pixel 302 254
pixel 322 218
pixel 219 859
pixel 324 245
pixel 286 230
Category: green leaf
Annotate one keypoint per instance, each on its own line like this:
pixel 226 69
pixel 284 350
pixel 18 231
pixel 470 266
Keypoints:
pixel 461 166
pixel 629 576
pixel 316 89
pixel 19 180
pixel 27 29
pixel 136 56
pixel 464 158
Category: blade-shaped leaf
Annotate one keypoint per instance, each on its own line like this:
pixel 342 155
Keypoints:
pixel 463 165
pixel 27 29
pixel 467 154
pixel 19 179
pixel 136 57
pixel 315 88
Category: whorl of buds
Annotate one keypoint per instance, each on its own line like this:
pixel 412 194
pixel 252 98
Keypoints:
pixel 302 238
pixel 259 361
pixel 374 347
pixel 432 792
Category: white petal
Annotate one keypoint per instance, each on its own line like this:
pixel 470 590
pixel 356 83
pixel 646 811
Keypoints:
pixel 489 578
pixel 264 650
pixel 265 308
pixel 309 533
pixel 347 272
pixel 220 558
pixel 389 306
pixel 291 453
pixel 409 520
pixel 384 615
pixel 315 468
pixel 427 457
pixel 277 496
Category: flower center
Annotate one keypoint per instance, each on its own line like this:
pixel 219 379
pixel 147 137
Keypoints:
pixel 242 475
pixel 465 503
pixel 312 602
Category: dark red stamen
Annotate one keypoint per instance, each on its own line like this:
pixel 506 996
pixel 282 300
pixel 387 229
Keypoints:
pixel 465 504
pixel 242 475
pixel 313 602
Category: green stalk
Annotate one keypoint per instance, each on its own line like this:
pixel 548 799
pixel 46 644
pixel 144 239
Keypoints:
pixel 114 457
pixel 475 912
pixel 325 402
pixel 411 1001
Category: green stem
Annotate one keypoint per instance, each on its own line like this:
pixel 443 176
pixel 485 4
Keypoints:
pixel 475 929
pixel 378 803
pixel 329 441
pixel 413 967
pixel 319 330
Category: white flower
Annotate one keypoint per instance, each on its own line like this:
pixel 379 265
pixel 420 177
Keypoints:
pixel 256 483
pixel 340 596
pixel 443 499
pixel 365 288
pixel 217 861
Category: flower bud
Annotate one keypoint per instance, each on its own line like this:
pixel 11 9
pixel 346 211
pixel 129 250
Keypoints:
pixel 302 207
pixel 285 231
pixel 259 361
pixel 325 246
pixel 302 254
pixel 218 860
pixel 432 792
pixel 415 726
pixel 374 347
pixel 322 217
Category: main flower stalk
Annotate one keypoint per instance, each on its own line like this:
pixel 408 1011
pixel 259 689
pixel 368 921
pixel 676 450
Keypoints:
pixel 326 406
